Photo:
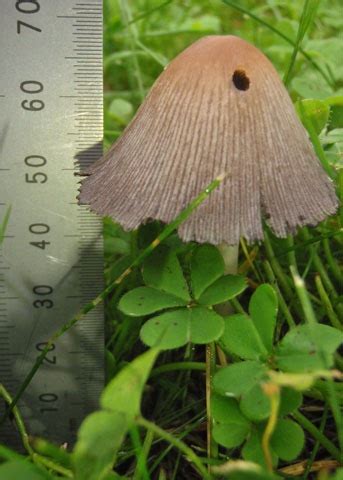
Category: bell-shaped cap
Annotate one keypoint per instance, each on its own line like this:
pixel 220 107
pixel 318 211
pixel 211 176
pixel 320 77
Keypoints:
pixel 219 107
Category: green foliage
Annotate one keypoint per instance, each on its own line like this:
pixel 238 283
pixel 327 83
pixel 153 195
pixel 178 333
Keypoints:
pixel 123 394
pixel 252 450
pixel 239 378
pixel 252 337
pixel 120 110
pixel 223 289
pixel 241 338
pixel 207 266
pixel 290 401
pixel 167 288
pixel 99 438
pixel 308 348
pixel 317 111
pixel 145 300
pixel 162 270
pixel 305 348
pixel 22 470
pixel 288 439
pixel 178 285
pixel 102 433
pixel 175 329
pixel 263 308
pixel 233 427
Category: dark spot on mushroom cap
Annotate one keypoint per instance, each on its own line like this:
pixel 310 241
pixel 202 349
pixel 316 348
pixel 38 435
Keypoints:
pixel 240 80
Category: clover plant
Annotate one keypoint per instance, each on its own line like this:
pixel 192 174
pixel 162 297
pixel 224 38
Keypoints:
pixel 240 408
pixel 183 307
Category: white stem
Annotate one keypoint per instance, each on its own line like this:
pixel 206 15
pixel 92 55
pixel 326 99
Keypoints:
pixel 230 256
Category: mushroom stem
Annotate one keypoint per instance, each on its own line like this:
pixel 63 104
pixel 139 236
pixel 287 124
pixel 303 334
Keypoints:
pixel 230 256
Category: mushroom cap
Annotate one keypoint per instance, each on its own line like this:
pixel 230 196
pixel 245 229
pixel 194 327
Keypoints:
pixel 219 107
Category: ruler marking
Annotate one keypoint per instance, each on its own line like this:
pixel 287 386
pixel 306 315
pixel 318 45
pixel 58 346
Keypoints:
pixel 85 96
pixel 87 46
pixel 82 21
pixel 86 6
pixel 80 18
pixel 87 30
pixel 88 42
pixel 89 72
pixel 84 35
pixel 91 34
pixel 86 65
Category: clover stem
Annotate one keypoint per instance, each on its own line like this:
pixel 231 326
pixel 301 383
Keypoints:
pixel 212 446
pixel 273 393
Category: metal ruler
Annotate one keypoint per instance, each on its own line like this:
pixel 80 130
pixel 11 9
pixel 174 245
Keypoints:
pixel 51 260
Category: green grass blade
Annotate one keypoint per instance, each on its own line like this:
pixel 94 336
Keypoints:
pixel 316 142
pixel 311 320
pixel 149 12
pixel 306 19
pixel 3 226
pixel 135 70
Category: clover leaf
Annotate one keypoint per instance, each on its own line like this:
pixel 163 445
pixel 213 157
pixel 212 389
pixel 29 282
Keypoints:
pixel 182 319
pixel 102 432
pixel 241 338
pixel 175 329
pixel 162 270
pixel 207 265
pixel 238 378
pixel 145 300
pixel 263 308
pixel 232 428
pixel 308 348
pixel 251 337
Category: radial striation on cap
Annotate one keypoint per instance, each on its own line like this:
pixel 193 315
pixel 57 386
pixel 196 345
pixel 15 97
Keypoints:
pixel 219 107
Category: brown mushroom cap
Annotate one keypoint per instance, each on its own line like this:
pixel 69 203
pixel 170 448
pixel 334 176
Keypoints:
pixel 218 107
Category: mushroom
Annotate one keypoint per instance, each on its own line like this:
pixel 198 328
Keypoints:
pixel 219 106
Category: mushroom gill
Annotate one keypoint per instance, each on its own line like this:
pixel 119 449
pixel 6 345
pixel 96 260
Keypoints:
pixel 219 107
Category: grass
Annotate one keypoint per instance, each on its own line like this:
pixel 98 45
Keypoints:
pixel 166 438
